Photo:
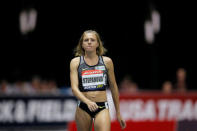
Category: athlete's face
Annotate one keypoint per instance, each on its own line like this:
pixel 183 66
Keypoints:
pixel 90 42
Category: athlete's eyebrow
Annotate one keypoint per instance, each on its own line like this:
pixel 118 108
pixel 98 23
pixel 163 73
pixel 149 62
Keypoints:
pixel 90 39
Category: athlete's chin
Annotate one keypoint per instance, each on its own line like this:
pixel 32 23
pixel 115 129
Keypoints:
pixel 90 50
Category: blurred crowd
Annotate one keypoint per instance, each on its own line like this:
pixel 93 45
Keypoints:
pixel 180 84
pixel 127 85
pixel 36 86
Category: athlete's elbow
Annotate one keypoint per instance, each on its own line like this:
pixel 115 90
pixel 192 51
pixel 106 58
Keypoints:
pixel 74 91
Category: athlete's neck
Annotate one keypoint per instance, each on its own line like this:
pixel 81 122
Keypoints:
pixel 91 55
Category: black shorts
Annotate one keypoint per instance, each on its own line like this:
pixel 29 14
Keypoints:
pixel 101 106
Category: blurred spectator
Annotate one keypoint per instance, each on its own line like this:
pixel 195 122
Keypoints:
pixel 18 87
pixel 44 88
pixel 53 89
pixel 66 90
pixel 49 87
pixel 6 88
pixel 180 84
pixel 3 86
pixel 35 83
pixel 21 87
pixel 167 87
pixel 127 86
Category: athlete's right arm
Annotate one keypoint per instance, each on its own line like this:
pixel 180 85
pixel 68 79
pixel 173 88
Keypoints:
pixel 75 84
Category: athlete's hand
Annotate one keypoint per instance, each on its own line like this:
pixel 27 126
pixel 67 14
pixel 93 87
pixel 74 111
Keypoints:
pixel 92 106
pixel 121 121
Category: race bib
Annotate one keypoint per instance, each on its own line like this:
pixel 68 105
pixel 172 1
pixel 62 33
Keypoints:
pixel 93 77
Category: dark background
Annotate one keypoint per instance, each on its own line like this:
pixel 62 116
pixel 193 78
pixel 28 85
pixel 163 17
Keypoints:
pixel 47 50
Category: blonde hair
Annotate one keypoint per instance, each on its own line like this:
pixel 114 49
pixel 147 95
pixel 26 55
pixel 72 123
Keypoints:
pixel 79 51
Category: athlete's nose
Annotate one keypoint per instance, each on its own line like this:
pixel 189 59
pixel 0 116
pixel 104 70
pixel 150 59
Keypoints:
pixel 89 42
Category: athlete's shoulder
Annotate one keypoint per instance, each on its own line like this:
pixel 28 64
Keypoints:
pixel 107 60
pixel 75 61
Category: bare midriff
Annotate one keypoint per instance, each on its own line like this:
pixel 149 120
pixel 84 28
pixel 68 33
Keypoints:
pixel 96 96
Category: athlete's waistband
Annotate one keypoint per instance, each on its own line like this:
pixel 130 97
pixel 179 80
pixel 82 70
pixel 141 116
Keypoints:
pixel 97 89
pixel 100 104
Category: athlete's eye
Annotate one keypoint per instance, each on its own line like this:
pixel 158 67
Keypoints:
pixel 85 40
pixel 93 40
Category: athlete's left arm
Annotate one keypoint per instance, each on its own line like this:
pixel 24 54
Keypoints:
pixel 114 89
